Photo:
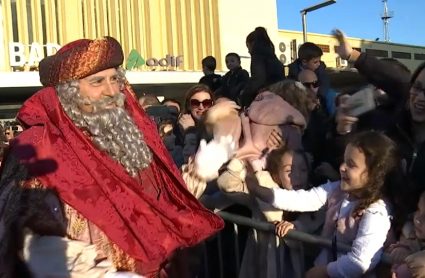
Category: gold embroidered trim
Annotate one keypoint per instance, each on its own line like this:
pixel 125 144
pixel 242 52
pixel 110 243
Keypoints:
pixel 121 260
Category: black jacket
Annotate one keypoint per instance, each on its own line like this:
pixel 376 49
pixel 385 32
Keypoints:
pixel 235 81
pixel 266 70
pixel 212 80
pixel 175 151
pixel 412 153
pixel 314 138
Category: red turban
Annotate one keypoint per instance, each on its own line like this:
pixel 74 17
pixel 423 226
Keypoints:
pixel 80 59
pixel 149 217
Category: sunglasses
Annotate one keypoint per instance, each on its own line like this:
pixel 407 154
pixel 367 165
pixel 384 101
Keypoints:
pixel 314 84
pixel 206 103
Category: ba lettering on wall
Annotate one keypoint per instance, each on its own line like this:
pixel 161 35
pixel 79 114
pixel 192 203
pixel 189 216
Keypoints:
pixel 18 58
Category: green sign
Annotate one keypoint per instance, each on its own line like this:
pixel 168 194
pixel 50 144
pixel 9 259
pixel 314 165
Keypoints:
pixel 135 60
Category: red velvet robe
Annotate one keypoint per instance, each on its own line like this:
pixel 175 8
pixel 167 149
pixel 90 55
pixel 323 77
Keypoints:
pixel 146 217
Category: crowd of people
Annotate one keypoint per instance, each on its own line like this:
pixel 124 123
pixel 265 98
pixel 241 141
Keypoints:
pixel 96 182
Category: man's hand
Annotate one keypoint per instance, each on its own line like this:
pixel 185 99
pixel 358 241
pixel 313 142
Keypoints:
pixel 186 121
pixel 344 50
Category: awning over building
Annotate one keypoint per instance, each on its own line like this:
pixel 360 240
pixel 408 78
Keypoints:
pixel 32 79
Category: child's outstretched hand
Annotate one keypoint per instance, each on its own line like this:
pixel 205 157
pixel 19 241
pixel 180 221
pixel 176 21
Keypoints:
pixel 265 194
pixel 283 227
pixel 257 165
pixel 250 178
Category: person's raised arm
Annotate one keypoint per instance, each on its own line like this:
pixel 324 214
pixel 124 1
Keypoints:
pixel 291 200
pixel 392 80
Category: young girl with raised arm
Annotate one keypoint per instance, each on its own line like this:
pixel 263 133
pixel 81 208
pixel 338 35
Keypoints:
pixel 286 168
pixel 359 208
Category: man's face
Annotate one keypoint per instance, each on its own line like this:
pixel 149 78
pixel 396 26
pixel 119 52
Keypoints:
pixel 309 79
pixel 313 64
pixel 99 86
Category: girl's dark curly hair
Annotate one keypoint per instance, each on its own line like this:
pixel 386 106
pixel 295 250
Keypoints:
pixel 385 175
pixel 274 159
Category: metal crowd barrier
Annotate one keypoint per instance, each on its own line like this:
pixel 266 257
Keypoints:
pixel 268 227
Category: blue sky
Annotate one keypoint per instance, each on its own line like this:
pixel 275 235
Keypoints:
pixel 358 18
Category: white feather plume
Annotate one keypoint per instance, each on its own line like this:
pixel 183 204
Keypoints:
pixel 212 156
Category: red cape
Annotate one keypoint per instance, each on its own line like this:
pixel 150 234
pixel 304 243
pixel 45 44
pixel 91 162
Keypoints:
pixel 146 225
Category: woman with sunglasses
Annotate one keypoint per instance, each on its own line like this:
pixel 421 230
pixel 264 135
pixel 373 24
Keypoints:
pixel 198 100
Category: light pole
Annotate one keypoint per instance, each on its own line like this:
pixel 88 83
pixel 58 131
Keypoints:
pixel 310 9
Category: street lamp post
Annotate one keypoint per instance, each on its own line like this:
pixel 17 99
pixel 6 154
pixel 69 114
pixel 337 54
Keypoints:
pixel 304 18
pixel 310 9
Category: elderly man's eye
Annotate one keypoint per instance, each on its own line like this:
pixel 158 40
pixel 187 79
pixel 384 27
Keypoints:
pixel 97 82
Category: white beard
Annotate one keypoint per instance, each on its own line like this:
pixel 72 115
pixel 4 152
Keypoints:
pixel 114 132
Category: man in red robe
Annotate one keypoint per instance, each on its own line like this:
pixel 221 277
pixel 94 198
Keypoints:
pixel 91 167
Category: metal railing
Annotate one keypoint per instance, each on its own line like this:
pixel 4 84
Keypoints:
pixel 268 227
